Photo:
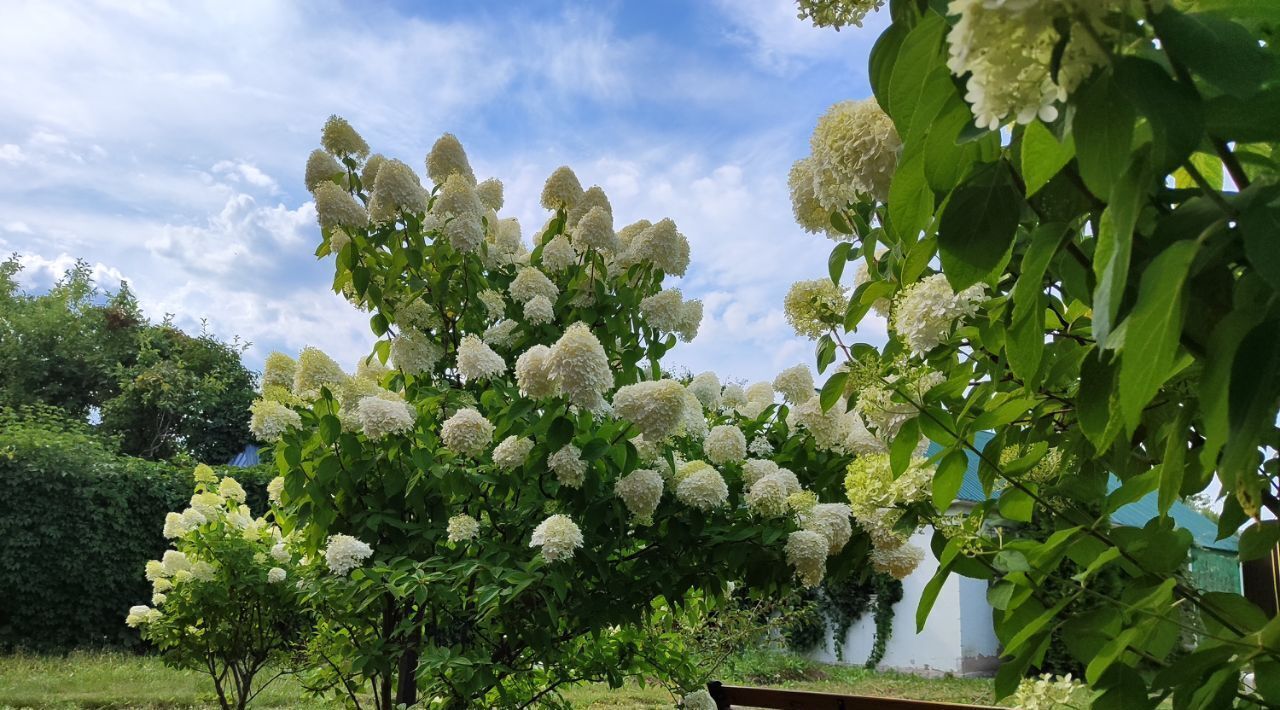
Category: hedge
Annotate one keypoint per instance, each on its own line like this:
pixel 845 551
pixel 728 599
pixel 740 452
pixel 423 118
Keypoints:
pixel 77 524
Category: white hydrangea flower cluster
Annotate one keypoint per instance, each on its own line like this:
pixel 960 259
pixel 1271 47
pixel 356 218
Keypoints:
pixel 725 443
pixel 269 420
pixel 396 191
pixel 500 334
pixel 701 486
pixel 322 167
pixel 141 615
pixel 879 409
pixel 568 465
pixel 837 13
pixel 760 396
pixel 706 387
pixel 805 207
pixel 343 553
pixel 831 520
pixel 275 488
pixel 795 384
pixel 661 244
pixel 755 469
pixel 558 536
pixel 732 397
pixel 699 699
pixel 277 371
pixel 341 140
pixel 476 360
pixel 1050 692
pixel 807 552
pixel 538 311
pixel 467 432
pixel 530 283
pixel 595 231
pixel 855 152
pixel 460 210
pixel 760 446
pixel 380 417
pixel 448 158
pixel 898 561
pixel 337 209
pixel 276 575
pixel 926 310
pixel 314 370
pixel 532 375
pixel 767 495
pixel 462 528
pixel 512 452
pixel 558 254
pixel 494 303
pixel 1007 50
pixel 829 429
pixel 655 407
pixel 640 491
pixel 814 307
pixel 693 423
pixel 562 189
pixel 579 368
pixel 231 489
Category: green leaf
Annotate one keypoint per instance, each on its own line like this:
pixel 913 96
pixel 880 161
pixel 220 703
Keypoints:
pixel 826 352
pixel 1155 327
pixel 903 448
pixel 1115 245
pixel 1209 167
pixel 947 161
pixel 864 297
pixel 1175 459
pixel 839 257
pixel 1254 389
pixel 1259 540
pixel 1024 345
pixel 930 595
pixel 561 433
pixel 977 227
pixel 1247 120
pixel 1220 51
pixel 910 199
pixel 948 479
pixel 832 389
pixel 1260 223
pixel 1103 131
pixel 921 51
pixel 1173 110
pixel 1043 156
pixel 1015 504
pixel 883 57
pixel 1011 561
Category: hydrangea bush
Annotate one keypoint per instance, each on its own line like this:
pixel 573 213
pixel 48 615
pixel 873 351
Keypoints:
pixel 506 484
pixel 1067 212
pixel 225 599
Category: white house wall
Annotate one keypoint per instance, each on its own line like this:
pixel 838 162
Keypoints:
pixel 958 636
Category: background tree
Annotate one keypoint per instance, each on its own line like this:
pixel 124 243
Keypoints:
pixel 157 390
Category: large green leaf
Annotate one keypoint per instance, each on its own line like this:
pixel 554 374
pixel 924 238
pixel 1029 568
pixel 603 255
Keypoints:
pixel 1096 402
pixel 1115 245
pixel 1043 156
pixel 921 51
pixel 1024 345
pixel 1254 391
pixel 1223 52
pixel 1154 329
pixel 1173 110
pixel 1260 223
pixel 1103 132
pixel 948 478
pixel 910 199
pixel 977 227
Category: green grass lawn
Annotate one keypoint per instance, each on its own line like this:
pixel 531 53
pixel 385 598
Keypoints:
pixel 107 680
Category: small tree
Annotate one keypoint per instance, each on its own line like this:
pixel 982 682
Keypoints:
pixel 226 599
pixel 493 575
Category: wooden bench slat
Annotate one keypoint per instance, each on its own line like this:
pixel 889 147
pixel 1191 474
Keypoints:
pixel 728 696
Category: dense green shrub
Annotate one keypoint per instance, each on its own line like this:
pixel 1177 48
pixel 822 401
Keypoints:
pixel 77 523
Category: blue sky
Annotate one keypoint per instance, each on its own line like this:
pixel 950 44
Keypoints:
pixel 165 143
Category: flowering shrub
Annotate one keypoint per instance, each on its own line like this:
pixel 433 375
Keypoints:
pixel 508 483
pixel 225 600
pixel 1067 213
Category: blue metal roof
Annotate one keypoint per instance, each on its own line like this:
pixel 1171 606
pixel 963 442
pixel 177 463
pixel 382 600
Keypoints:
pixel 1135 514
pixel 248 457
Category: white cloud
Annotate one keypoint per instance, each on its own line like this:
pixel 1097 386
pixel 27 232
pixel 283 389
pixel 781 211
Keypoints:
pixel 779 42
pixel 12 153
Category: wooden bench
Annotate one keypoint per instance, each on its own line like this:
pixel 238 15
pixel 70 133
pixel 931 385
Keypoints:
pixel 737 696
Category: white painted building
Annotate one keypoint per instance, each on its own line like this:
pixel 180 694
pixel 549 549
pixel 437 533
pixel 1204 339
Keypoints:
pixel 958 637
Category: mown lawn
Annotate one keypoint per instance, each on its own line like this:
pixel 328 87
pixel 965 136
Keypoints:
pixel 108 680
